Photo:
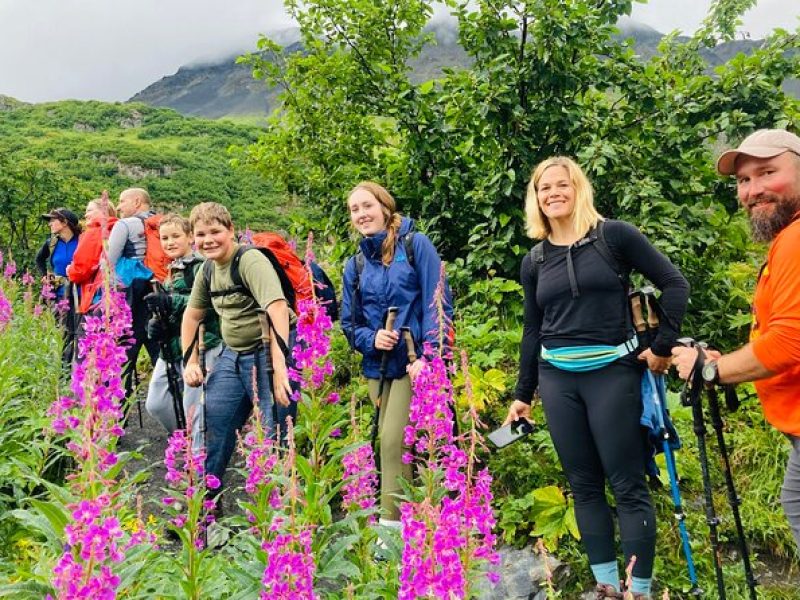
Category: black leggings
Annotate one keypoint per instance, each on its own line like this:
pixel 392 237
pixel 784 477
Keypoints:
pixel 593 419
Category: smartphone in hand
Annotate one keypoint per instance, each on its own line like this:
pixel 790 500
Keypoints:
pixel 510 433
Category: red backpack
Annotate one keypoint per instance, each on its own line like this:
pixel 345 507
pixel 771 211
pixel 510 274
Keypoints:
pixel 292 266
pixel 154 257
pixel 292 273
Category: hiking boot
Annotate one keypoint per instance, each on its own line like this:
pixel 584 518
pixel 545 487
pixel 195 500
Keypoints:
pixel 603 590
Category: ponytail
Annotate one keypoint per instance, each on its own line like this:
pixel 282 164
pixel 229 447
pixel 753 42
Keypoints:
pixel 388 246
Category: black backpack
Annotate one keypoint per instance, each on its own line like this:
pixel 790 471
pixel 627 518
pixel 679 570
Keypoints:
pixel 597 238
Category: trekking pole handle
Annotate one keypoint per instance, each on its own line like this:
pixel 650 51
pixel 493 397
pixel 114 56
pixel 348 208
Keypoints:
pixel 410 350
pixel 391 316
pixel 652 313
pixel 636 312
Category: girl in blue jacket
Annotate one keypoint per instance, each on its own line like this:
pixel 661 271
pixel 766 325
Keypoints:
pixel 395 266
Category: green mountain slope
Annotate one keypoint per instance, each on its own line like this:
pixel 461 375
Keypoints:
pixel 67 152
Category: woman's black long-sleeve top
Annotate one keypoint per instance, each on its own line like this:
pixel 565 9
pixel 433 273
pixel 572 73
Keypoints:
pixel 555 317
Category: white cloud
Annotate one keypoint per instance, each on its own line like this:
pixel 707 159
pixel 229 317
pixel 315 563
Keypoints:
pixel 111 49
pixel 686 15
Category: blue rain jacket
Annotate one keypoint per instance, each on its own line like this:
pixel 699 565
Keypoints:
pixel 410 289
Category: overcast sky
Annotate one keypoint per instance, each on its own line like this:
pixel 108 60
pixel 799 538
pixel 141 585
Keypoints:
pixel 111 49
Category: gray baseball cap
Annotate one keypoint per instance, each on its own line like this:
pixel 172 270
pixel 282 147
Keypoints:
pixel 764 143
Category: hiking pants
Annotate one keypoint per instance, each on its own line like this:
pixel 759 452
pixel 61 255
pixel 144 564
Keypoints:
pixel 229 402
pixel 395 404
pixel 159 399
pixel 593 419
pixel 790 493
pixel 139 317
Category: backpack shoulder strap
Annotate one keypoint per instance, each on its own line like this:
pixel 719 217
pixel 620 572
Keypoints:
pixel 537 258
pixel 408 243
pixel 360 262
pixel 604 251
pixel 208 273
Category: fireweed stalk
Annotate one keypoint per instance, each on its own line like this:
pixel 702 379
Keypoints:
pixel 447 527
pixel 261 458
pixel 89 418
pixel 272 512
pixel 6 311
pixel 360 476
pixel 289 570
pixel 186 476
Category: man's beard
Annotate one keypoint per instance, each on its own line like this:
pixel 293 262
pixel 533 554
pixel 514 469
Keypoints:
pixel 766 224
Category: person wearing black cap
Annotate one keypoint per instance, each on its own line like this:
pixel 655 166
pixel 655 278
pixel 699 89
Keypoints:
pixel 52 260
pixel 56 253
pixel 767 170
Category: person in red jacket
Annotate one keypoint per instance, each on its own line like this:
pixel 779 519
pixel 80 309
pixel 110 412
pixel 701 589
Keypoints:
pixel 85 269
pixel 767 170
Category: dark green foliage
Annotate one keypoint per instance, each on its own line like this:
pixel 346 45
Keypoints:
pixel 66 153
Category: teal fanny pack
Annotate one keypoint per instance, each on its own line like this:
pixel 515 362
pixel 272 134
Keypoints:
pixel 587 358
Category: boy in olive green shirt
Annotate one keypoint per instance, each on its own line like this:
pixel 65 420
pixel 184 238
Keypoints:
pixel 229 387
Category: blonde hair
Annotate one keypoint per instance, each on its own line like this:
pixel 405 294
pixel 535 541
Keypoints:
pixel 104 203
pixel 177 220
pixel 392 217
pixel 584 215
pixel 208 212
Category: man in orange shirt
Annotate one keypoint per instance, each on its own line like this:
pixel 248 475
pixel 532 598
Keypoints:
pixel 767 170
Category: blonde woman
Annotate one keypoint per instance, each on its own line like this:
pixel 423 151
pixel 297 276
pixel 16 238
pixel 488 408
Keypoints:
pixel 575 296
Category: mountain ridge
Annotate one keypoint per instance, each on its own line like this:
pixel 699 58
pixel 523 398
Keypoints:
pixel 224 88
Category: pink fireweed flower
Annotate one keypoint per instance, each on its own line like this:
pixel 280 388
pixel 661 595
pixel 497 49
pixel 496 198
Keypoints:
pixel 92 546
pixel 38 310
pixel 443 541
pixel 47 292
pixel 431 565
pixel 313 346
pixel 186 475
pixel 361 480
pixel 309 256
pixel 431 410
pixel 10 270
pixel 97 389
pixel 62 306
pixel 27 278
pixel 260 460
pixel 289 572
pixel 6 311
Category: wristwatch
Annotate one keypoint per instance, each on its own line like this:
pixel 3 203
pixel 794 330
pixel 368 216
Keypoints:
pixel 710 373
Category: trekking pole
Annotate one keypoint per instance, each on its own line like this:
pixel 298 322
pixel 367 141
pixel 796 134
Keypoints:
pixel 691 396
pixel 733 498
pixel 263 319
pixel 201 352
pixel 411 352
pixel 647 331
pixel 391 315
pixel 173 383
